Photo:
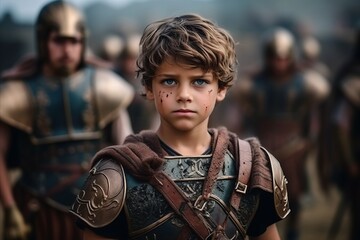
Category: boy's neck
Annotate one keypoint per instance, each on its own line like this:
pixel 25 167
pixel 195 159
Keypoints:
pixel 188 143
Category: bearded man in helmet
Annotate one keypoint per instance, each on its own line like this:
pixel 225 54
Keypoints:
pixel 278 103
pixel 56 111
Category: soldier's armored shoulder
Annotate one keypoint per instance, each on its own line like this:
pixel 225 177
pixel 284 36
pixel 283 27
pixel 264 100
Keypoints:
pixel 112 94
pixel 16 105
pixel 351 88
pixel 316 86
pixel 103 195
pixel 279 183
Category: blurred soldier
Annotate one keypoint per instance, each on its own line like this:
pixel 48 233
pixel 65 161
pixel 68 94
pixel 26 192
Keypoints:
pixel 278 102
pixel 142 112
pixel 111 47
pixel 310 49
pixel 56 111
pixel 345 130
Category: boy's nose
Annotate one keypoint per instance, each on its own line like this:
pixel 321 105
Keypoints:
pixel 184 94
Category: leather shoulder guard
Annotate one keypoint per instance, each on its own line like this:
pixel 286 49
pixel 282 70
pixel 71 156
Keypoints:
pixel 103 195
pixel 112 94
pixel 16 105
pixel 279 186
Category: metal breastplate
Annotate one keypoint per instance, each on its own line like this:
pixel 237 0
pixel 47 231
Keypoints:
pixel 279 111
pixel 65 137
pixel 278 101
pixel 149 216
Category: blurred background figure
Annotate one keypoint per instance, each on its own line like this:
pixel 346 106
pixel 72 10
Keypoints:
pixel 278 102
pixel 342 137
pixel 111 48
pixel 56 112
pixel 310 50
pixel 142 113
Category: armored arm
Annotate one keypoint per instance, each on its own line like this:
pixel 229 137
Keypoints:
pixel 279 186
pixel 102 197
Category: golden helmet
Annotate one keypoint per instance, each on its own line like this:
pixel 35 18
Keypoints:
pixel 61 17
pixel 279 43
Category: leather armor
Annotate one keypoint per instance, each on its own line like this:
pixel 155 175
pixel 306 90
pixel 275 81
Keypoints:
pixel 148 213
pixel 63 121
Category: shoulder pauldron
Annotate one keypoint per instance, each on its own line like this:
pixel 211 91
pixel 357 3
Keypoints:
pixel 16 105
pixel 103 195
pixel 279 186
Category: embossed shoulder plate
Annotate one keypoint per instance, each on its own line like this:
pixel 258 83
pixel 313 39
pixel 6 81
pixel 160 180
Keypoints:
pixel 281 200
pixel 103 195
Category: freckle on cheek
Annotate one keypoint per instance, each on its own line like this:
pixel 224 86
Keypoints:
pixel 210 91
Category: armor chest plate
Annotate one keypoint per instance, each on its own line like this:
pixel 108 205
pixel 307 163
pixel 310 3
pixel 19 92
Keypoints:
pixel 64 107
pixel 273 100
pixel 150 217
pixel 65 137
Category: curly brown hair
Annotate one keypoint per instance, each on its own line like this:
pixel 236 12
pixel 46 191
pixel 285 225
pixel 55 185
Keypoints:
pixel 189 39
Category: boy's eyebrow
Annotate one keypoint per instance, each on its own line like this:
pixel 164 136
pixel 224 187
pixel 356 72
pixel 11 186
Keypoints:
pixel 193 76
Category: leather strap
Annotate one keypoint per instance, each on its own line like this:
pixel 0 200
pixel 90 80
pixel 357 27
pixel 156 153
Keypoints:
pixel 180 203
pixel 217 163
pixel 245 164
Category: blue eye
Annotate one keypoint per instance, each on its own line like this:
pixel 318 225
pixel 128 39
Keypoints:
pixel 200 82
pixel 168 82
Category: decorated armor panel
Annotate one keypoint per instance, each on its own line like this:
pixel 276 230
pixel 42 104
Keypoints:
pixel 154 217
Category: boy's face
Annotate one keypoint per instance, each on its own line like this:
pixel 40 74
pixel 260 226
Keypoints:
pixel 184 96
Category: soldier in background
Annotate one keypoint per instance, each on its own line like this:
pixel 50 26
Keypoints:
pixel 56 111
pixel 342 137
pixel 310 50
pixel 277 103
pixel 141 111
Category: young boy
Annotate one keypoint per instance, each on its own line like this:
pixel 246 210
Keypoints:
pixel 184 181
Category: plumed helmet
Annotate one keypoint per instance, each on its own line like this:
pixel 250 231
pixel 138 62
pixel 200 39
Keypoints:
pixel 279 43
pixel 61 17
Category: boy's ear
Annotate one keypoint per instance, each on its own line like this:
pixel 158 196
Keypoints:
pixel 221 94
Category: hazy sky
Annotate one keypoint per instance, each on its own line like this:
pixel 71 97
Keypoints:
pixel 26 10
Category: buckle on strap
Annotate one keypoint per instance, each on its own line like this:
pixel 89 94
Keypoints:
pixel 200 203
pixel 240 187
